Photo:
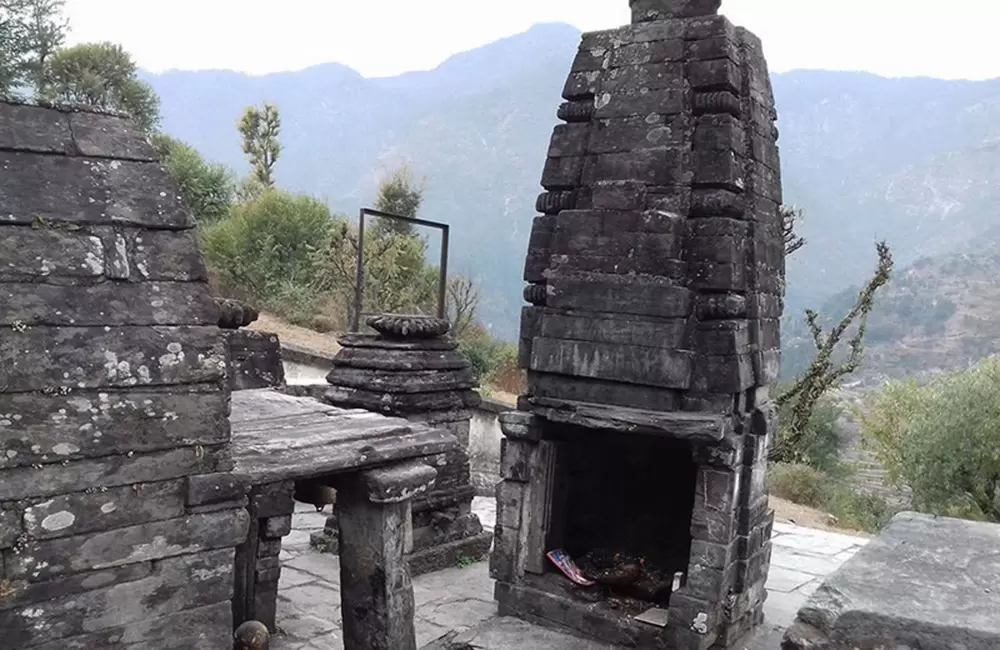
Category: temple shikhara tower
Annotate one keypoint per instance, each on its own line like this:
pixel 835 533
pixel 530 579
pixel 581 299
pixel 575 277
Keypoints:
pixel 654 274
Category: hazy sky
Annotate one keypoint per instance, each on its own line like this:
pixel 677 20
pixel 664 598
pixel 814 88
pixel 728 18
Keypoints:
pixel 954 39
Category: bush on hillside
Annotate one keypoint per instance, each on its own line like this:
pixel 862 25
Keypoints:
pixel 857 509
pixel 797 483
pixel 820 444
pixel 942 440
pixel 397 277
pixel 835 495
pixel 207 189
pixel 494 362
pixel 265 250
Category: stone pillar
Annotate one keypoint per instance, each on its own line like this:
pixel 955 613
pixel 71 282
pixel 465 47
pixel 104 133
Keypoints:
pixel 411 369
pixel 258 567
pixel 119 513
pixel 374 579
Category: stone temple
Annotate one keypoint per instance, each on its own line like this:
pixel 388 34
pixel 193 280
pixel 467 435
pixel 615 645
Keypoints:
pixel 655 276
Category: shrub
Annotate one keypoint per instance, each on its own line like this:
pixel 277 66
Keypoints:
pixel 294 302
pixel 207 189
pixel 858 510
pixel 397 278
pixel 506 376
pixel 481 355
pixel 835 495
pixel 798 483
pixel 494 362
pixel 942 440
pixel 820 443
pixel 266 249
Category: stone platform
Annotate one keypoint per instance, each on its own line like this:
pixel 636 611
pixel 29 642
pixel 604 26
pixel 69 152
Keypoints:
pixel 456 605
pixel 925 582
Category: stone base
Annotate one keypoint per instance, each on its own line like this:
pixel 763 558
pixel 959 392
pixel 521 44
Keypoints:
pixel 513 634
pixel 254 360
pixel 925 582
pixel 325 541
pixel 451 554
pixel 423 561
pixel 551 601
pixel 507 633
pixel 472 546
pixel 593 620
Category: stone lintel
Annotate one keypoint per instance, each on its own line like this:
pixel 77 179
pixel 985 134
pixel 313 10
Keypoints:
pixel 398 483
pixel 696 427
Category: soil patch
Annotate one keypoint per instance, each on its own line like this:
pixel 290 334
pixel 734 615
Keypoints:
pixel 315 342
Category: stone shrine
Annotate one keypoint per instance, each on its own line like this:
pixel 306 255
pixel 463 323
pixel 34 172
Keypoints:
pixel 149 459
pixel 655 278
pixel 410 368
pixel 114 401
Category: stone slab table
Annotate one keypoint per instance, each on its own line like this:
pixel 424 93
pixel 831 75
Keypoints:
pixel 377 464
pixel 923 583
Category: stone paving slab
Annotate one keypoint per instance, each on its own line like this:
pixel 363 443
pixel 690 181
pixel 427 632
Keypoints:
pixel 514 634
pixel 925 582
pixel 455 601
pixel 503 633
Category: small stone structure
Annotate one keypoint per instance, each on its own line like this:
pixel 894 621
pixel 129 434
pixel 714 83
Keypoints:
pixel 924 582
pixel 290 447
pixel 411 369
pixel 114 403
pixel 655 281
pixel 254 357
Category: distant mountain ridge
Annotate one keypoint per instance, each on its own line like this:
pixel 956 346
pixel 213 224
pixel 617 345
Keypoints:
pixel 914 161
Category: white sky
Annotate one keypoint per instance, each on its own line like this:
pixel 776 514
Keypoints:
pixel 955 39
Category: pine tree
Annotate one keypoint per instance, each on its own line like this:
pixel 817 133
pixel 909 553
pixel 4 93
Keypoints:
pixel 260 128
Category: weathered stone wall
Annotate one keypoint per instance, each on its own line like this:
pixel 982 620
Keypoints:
pixel 118 515
pixel 254 360
pixel 656 270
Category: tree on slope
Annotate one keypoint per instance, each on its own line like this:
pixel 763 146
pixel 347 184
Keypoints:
pixel 207 188
pixel 31 31
pixel 798 402
pixel 260 129
pixel 102 75
pixel 399 194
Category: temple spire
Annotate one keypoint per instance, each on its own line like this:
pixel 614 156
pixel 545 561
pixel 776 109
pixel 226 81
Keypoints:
pixel 650 10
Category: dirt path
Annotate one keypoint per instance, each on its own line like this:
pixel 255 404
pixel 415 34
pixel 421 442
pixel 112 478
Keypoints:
pixel 322 344
pixel 792 513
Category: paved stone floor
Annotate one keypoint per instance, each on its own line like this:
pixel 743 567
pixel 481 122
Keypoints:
pixel 461 598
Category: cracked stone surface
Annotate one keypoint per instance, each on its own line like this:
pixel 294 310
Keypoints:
pixel 925 582
pixel 460 600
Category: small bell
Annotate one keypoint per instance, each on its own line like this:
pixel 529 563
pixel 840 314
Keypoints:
pixel 252 635
pixel 315 493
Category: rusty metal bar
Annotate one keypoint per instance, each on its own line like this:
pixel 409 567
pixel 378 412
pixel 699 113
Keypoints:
pixel 359 280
